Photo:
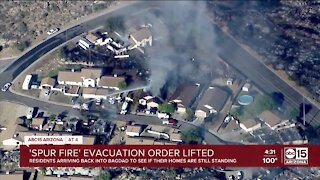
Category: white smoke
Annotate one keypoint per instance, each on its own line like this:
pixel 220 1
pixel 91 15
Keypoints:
pixel 184 32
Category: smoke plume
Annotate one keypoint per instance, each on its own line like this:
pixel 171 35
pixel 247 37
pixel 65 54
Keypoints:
pixel 184 44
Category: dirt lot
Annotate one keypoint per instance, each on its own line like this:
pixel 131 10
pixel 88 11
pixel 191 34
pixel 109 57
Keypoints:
pixel 19 25
pixel 10 111
pixel 48 66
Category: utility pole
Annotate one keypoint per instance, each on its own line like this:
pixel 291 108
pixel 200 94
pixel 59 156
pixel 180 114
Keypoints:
pixel 304 111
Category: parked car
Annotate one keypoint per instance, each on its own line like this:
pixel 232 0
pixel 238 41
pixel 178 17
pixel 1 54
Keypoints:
pixel 52 31
pixel 98 102
pixel 124 108
pixel 163 115
pixel 170 122
pixel 6 87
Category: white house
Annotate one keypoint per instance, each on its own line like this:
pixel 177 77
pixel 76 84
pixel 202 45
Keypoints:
pixel 85 78
pixel 133 130
pixel 250 125
pixel 90 77
pixel 140 38
pixel 94 93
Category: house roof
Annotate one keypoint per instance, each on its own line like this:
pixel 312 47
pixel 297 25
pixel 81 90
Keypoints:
pixel 37 121
pixel 213 98
pixel 176 136
pixel 110 81
pixel 91 37
pixel 140 34
pixel 89 90
pixel 140 140
pixel 92 73
pixel 134 129
pixel 69 76
pixel 72 89
pixel 270 118
pixel 249 123
pixel 185 94
pixel 11 131
pixel 48 81
pixel 14 176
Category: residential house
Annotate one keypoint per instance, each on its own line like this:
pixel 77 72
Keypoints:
pixel 271 119
pixel 94 93
pixel 47 83
pixel 111 82
pixel 152 103
pixel 184 96
pixel 86 78
pixel 212 102
pixel 140 37
pixel 133 130
pixel 90 77
pixel 70 78
pixel 10 137
pixel 250 125
pixel 37 123
pixel 94 38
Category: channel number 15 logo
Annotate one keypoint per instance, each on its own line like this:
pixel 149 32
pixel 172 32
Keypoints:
pixel 296 156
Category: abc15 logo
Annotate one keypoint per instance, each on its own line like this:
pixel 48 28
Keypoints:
pixel 298 153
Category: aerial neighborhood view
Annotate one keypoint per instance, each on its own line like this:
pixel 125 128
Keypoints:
pixel 159 73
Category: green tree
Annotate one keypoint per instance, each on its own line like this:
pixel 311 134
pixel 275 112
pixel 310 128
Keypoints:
pixel 114 24
pixel 261 103
pixel 104 176
pixel 291 112
pixel 166 108
pixel 21 46
pixel 22 27
pixel 122 85
pixel 192 136
pixel 52 117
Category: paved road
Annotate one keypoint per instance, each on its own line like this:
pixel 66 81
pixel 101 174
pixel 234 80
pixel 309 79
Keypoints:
pixel 15 68
pixel 261 76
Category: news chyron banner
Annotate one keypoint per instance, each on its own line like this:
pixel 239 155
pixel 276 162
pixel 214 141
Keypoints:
pixel 169 156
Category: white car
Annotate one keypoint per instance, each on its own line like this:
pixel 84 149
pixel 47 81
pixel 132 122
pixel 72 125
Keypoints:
pixel 52 31
pixel 6 87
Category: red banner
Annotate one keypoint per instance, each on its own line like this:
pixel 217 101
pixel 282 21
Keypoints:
pixel 169 156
